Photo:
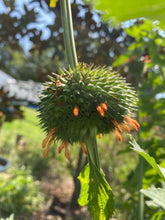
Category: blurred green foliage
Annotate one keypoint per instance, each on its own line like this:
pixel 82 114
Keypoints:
pixel 11 217
pixel 119 11
pixel 143 66
pixel 19 194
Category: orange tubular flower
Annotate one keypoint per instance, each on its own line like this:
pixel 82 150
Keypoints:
pixel 117 125
pixel 100 110
pixel 66 150
pixel 64 145
pixel 48 140
pixel 46 151
pixel 134 124
pixel 75 111
pixel 118 135
pixel 45 141
pixel 126 127
pixel 61 147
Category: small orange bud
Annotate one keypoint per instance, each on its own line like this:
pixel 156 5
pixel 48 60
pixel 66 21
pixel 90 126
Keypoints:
pixel 98 107
pixel 100 136
pixel 104 106
pixel 58 83
pixel 102 113
pixel 100 110
pixel 75 111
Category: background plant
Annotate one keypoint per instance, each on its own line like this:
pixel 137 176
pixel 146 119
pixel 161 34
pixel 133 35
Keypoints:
pixel 19 194
pixel 144 63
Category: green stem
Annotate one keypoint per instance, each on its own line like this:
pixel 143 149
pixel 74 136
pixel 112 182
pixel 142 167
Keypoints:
pixel 69 41
pixel 91 144
pixel 141 163
pixel 162 74
pixel 141 173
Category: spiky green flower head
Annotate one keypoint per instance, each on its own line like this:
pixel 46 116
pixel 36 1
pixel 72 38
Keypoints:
pixel 76 101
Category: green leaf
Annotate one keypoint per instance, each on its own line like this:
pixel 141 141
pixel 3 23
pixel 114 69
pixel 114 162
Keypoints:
pixel 122 59
pixel 84 179
pixel 148 158
pixel 96 192
pixel 11 217
pixel 101 203
pixel 120 11
pixel 157 195
pixel 158 216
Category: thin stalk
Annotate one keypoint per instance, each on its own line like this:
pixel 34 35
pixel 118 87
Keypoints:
pixel 91 144
pixel 141 164
pixel 162 74
pixel 140 183
pixel 69 41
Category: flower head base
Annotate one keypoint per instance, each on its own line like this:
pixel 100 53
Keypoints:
pixel 76 101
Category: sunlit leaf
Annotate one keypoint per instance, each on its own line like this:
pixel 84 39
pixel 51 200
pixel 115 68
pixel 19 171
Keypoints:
pixel 125 10
pixel 84 179
pixel 96 192
pixel 148 158
pixel 157 195
pixel 158 216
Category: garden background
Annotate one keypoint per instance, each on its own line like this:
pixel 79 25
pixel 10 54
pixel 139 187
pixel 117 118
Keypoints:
pixel 31 48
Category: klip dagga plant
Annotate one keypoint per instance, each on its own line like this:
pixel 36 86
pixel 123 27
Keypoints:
pixel 79 104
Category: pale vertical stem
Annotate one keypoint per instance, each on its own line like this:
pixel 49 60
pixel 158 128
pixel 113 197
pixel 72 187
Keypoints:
pixel 141 164
pixel 140 183
pixel 69 42
pixel 91 144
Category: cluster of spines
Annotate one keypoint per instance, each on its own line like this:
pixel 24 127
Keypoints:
pixel 96 84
